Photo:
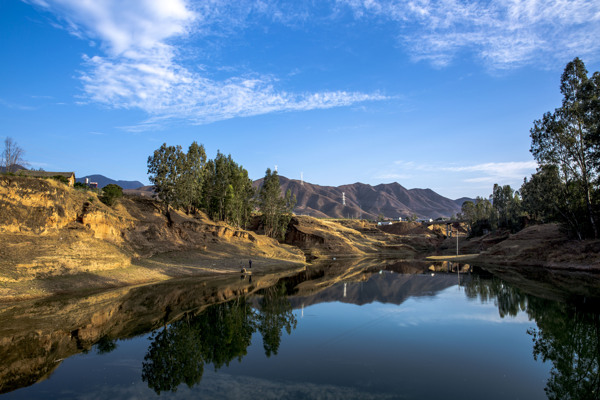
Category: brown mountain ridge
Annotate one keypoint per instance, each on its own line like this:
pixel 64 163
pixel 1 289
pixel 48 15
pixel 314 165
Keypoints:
pixel 391 200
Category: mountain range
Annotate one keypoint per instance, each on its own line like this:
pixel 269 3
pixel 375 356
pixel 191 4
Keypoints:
pixel 383 288
pixel 360 200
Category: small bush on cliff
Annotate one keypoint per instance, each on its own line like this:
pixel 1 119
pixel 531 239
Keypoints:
pixel 110 194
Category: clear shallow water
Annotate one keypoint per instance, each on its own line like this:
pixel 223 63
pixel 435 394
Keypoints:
pixel 418 336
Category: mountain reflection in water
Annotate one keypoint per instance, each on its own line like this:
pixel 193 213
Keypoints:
pixel 359 318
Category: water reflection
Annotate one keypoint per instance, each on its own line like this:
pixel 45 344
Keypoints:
pixel 218 335
pixel 567 335
pixel 190 337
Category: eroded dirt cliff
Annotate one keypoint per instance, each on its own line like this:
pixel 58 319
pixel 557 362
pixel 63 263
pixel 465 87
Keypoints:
pixel 338 238
pixel 50 231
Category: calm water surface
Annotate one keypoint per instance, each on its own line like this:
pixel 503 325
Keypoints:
pixel 389 335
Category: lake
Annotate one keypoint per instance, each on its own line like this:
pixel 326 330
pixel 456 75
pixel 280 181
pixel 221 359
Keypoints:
pixel 378 329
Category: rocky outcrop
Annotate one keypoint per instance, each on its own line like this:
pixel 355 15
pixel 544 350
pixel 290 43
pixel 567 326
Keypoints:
pixel 326 238
pixel 40 206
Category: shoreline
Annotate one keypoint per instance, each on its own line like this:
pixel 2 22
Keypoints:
pixel 142 272
pixel 183 264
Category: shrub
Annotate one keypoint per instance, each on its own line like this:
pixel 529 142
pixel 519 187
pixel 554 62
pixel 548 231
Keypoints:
pixel 110 194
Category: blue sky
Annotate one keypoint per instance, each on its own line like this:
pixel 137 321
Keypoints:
pixel 436 94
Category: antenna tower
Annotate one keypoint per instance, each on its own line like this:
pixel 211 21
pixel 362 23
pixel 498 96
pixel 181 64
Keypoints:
pixel 344 198
pixel 275 168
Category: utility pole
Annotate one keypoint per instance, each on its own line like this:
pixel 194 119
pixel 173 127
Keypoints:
pixel 457 240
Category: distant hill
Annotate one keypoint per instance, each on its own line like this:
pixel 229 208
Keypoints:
pixel 17 167
pixel 462 200
pixel 103 181
pixel 366 201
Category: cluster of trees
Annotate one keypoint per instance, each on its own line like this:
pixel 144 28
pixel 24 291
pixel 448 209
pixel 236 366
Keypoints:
pixel 220 187
pixel 503 209
pixel 565 189
pixel 189 181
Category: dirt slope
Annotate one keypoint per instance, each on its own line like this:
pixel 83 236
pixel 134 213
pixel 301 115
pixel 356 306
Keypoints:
pixel 339 238
pixel 48 230
pixel 543 245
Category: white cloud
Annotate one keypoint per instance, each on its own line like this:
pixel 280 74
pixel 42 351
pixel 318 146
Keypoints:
pixel 505 169
pixel 511 172
pixel 140 68
pixel 503 33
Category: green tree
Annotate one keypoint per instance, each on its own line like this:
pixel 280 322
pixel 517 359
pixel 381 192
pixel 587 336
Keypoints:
pixel 479 215
pixel 507 206
pixel 228 192
pixel 111 193
pixel 276 210
pixel 568 138
pixel 546 198
pixel 165 167
pixel 241 201
pixel 188 188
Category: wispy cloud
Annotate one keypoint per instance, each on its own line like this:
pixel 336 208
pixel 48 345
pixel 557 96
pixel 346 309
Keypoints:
pixel 494 172
pixel 15 106
pixel 503 34
pixel 139 65
pixel 500 169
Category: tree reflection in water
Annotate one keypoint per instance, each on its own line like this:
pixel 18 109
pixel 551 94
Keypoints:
pixel 218 335
pixel 567 334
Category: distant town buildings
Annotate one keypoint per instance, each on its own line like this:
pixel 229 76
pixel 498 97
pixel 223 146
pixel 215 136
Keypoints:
pixel 425 220
pixel 91 184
